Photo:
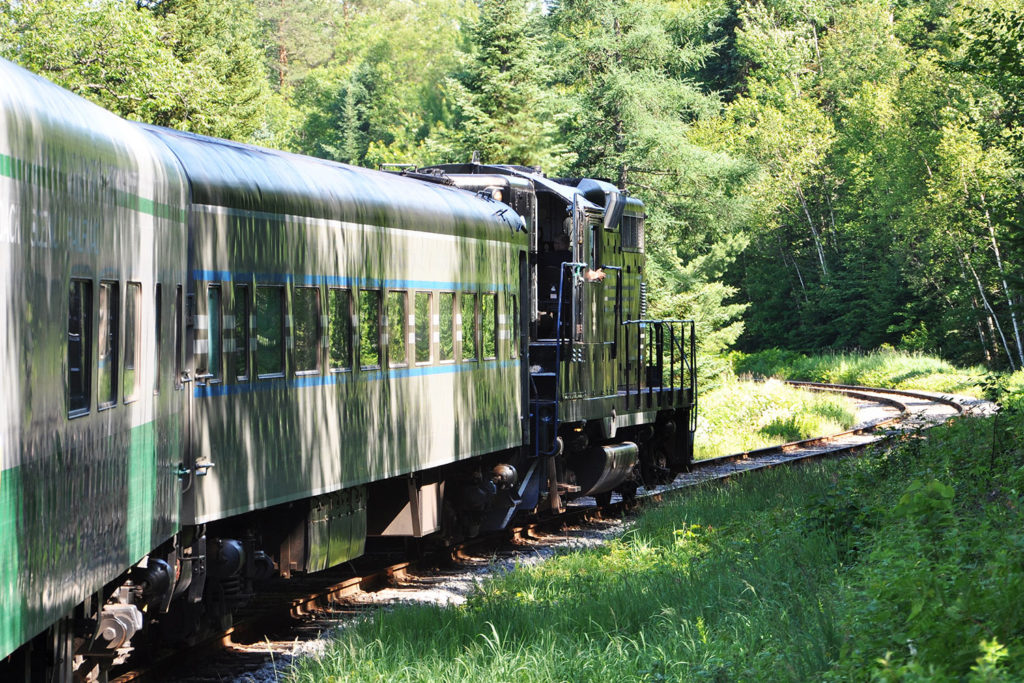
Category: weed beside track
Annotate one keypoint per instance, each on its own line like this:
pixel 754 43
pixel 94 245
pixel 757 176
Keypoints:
pixel 905 564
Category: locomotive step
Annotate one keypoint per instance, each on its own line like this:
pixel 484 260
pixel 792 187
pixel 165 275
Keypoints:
pixel 544 383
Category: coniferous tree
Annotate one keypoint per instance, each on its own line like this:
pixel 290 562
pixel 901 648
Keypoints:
pixel 636 119
pixel 504 108
pixel 381 97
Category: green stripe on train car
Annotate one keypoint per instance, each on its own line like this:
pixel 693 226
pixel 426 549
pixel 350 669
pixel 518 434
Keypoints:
pixel 11 607
pixel 141 490
pixel 17 169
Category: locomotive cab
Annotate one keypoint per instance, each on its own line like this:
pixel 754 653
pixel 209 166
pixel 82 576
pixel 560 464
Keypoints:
pixel 612 393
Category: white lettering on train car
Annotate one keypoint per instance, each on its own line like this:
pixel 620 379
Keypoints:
pixel 9 233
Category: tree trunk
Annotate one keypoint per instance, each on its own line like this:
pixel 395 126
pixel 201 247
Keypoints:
pixel 988 307
pixel 814 232
pixel 796 268
pixel 620 129
pixel 984 345
pixel 988 346
pixel 1002 277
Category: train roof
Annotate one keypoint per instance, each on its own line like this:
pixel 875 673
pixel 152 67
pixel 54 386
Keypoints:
pixel 590 193
pixel 541 182
pixel 257 179
pixel 50 135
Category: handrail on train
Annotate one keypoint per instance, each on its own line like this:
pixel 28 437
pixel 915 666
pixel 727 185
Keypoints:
pixel 650 384
pixel 648 363
pixel 558 350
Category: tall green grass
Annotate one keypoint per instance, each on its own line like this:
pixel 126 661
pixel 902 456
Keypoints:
pixel 907 565
pixel 883 368
pixel 680 596
pixel 1007 390
pixel 741 416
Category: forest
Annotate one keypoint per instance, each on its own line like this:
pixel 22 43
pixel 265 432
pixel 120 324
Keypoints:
pixel 818 174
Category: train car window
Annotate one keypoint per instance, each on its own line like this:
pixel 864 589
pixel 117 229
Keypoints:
pixel 179 341
pixel 513 326
pixel 158 316
pixel 306 329
pixel 422 327
pixel 339 311
pixel 446 327
pixel 489 325
pixel 269 331
pixel 369 328
pixel 396 321
pixel 132 339
pixel 469 327
pixel 242 332
pixel 110 308
pixel 214 332
pixel 79 347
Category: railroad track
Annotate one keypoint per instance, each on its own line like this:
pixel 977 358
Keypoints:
pixel 907 411
pixel 302 610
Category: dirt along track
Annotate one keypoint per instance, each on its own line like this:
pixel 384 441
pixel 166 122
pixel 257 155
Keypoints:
pixel 260 655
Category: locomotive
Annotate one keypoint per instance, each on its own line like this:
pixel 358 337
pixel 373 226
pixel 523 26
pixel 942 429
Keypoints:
pixel 224 363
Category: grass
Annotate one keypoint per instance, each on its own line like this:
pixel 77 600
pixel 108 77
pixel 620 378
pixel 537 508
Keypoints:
pixel 883 368
pixel 676 597
pixel 907 565
pixel 741 416
pixel 903 565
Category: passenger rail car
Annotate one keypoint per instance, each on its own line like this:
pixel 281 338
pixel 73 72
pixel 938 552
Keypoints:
pixel 92 259
pixel 225 363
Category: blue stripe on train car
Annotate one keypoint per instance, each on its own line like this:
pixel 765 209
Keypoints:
pixel 214 390
pixel 340 281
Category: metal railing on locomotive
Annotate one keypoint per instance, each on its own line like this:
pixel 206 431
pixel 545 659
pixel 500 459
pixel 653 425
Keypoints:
pixel 654 381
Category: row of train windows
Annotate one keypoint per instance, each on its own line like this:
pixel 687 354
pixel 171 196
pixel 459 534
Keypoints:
pixel 465 325
pixel 118 368
pixel 360 325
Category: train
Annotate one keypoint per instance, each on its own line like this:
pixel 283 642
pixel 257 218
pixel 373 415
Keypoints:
pixel 224 364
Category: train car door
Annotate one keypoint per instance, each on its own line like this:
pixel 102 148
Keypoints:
pixel 183 319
